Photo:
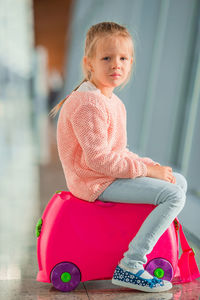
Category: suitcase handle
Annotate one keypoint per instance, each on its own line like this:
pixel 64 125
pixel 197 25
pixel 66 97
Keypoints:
pixel 187 263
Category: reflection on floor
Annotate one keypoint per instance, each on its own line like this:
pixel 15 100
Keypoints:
pixel 25 189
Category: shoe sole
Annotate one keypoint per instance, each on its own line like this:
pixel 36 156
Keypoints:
pixel 142 288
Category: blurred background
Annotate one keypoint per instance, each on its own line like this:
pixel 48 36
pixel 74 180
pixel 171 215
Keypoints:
pixel 41 47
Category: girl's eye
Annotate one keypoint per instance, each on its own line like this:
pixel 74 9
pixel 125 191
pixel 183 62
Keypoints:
pixel 108 58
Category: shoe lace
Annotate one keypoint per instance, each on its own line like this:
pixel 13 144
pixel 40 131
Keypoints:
pixel 154 281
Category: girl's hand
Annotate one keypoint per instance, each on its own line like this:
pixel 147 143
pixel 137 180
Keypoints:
pixel 173 180
pixel 161 172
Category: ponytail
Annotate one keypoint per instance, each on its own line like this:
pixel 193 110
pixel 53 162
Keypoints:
pixel 57 107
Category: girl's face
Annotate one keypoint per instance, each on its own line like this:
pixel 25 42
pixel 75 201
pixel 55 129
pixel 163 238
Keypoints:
pixel 111 64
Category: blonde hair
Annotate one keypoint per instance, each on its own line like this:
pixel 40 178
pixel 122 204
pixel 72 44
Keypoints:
pixel 96 32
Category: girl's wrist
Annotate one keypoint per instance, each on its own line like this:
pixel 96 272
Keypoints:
pixel 149 171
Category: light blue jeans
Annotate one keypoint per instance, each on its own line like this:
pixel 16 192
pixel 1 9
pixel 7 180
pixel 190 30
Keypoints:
pixel 169 198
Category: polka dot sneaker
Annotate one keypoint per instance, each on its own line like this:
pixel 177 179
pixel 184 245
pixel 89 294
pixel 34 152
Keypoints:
pixel 128 279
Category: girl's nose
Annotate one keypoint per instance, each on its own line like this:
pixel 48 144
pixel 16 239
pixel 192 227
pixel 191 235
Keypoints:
pixel 116 64
pixel 116 67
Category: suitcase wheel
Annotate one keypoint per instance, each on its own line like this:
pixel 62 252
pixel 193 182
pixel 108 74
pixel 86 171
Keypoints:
pixel 160 268
pixel 65 276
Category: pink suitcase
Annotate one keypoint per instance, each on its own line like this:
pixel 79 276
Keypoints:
pixel 79 241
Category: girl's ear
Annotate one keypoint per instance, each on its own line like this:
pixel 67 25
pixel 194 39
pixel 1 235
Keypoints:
pixel 88 63
pixel 85 60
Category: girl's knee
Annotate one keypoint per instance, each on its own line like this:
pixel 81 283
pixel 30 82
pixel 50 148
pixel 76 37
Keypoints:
pixel 173 194
pixel 181 181
pixel 180 197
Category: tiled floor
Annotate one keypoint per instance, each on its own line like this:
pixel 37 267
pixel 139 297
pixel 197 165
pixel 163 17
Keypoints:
pixel 25 189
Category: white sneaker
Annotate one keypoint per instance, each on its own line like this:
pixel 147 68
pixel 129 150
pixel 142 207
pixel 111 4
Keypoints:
pixel 135 281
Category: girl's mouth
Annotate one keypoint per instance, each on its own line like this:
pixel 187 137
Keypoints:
pixel 115 75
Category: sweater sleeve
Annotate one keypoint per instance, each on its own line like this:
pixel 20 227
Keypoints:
pixel 90 126
pixel 146 160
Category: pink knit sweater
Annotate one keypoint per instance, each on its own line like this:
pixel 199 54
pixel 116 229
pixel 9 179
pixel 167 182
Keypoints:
pixel 92 140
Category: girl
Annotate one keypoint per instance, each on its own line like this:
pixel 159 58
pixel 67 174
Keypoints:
pixel 91 139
